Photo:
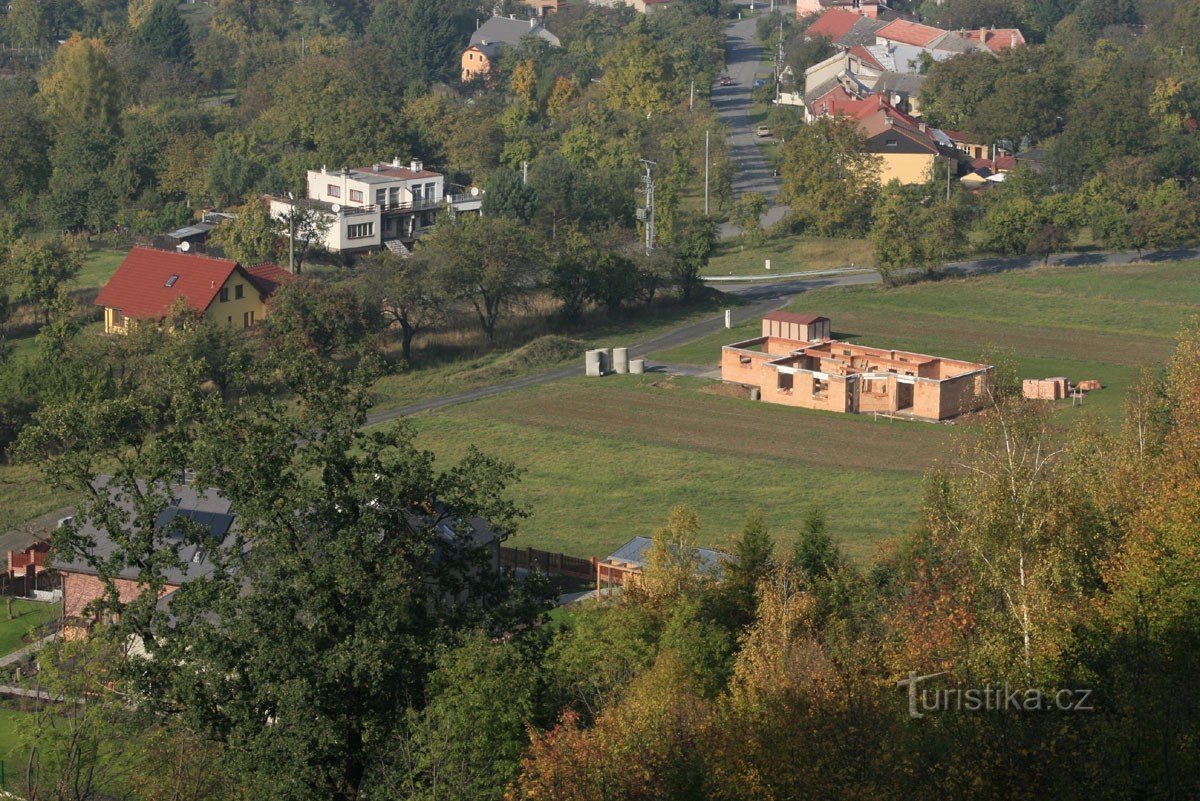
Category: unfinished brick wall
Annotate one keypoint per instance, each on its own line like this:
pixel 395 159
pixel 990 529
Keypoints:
pixel 80 589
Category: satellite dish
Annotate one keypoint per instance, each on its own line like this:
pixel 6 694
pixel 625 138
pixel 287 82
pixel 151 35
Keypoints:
pixel 474 191
pixel 185 246
pixel 335 208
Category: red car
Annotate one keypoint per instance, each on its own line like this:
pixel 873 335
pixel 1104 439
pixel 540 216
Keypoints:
pixel 725 80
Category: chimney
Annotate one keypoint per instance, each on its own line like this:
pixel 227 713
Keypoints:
pixel 532 23
pixel 323 170
pixel 983 35
pixel 378 166
pixel 396 161
pixel 416 166
pixel 921 127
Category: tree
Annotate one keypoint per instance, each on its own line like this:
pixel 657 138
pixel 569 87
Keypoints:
pixel 673 563
pixel 187 158
pixel 404 293
pixel 1166 216
pixel 747 215
pixel 509 196
pixel 251 237
pixel 81 195
pixel 753 558
pixel 692 243
pixel 828 178
pixel 613 280
pixel 638 76
pixel 911 234
pixel 232 171
pixel 243 20
pixel 422 36
pixel 29 22
pixel 815 556
pixel 486 261
pixel 81 85
pixel 39 269
pixel 561 189
pixel 324 320
pixel 570 270
pixel 23 144
pixel 304 228
pixel 164 32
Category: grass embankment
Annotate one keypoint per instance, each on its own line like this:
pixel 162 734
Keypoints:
pixel 606 459
pixel 788 255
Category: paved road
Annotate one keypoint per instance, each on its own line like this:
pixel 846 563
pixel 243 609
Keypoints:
pixel 768 296
pixel 742 59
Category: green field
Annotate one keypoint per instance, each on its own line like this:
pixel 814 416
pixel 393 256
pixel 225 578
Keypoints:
pixel 28 615
pixel 606 460
pixel 12 722
pixel 98 267
pixel 788 255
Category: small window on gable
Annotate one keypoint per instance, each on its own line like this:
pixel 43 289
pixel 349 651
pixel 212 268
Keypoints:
pixel 171 281
pixel 224 294
pixel 238 292
pixel 891 142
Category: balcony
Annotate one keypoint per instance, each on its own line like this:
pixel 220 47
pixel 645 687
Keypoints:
pixel 409 208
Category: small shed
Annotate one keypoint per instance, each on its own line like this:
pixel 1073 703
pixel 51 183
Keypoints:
pixel 798 327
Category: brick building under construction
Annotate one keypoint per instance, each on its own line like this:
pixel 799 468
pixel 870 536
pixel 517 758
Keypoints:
pixel 796 363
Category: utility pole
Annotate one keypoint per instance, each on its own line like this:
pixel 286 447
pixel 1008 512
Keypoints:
pixel 292 235
pixel 706 160
pixel 692 95
pixel 524 172
pixel 649 206
pixel 778 56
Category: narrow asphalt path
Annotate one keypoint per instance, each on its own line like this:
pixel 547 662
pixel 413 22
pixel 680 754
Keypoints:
pixel 743 56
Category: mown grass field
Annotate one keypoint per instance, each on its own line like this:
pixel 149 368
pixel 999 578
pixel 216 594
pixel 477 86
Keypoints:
pixel 788 255
pixel 606 460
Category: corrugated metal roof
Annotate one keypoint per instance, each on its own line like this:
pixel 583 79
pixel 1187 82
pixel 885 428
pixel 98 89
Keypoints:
pixel 634 552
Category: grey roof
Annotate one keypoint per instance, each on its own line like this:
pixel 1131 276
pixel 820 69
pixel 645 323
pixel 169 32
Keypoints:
pixel 900 82
pixel 191 230
pixel 634 552
pixel 205 507
pixel 500 31
pixel 952 42
pixel 861 32
pixel 905 58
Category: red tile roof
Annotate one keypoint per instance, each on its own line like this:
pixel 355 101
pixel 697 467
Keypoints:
pixel 268 277
pixel 911 33
pixel 834 23
pixel 791 317
pixel 139 287
pixel 996 39
pixel 866 56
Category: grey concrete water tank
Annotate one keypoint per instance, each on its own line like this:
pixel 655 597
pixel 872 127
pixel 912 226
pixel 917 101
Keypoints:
pixel 754 393
pixel 606 365
pixel 621 360
pixel 637 366
pixel 592 363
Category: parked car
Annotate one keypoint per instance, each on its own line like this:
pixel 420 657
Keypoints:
pixel 759 82
pixel 725 80
pixel 762 130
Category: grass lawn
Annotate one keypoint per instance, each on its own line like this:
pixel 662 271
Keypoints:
pixel 788 255
pixel 98 267
pixel 430 378
pixel 28 616
pixel 607 460
pixel 12 721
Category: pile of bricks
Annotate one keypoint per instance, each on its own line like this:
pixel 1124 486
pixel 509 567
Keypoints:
pixel 1055 388
pixel 1088 385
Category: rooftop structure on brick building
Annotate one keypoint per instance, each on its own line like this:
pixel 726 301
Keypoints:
pixel 796 363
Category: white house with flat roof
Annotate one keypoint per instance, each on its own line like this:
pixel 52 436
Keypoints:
pixel 370 206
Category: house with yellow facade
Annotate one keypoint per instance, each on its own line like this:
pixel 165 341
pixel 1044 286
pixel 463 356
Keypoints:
pixel 150 282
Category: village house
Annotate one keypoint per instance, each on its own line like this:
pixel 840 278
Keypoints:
pixel 796 363
pixel 367 208
pixel 150 283
pixel 863 8
pixel 492 37
pixel 625 565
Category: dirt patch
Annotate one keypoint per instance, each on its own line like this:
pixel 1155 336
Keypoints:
pixel 727 390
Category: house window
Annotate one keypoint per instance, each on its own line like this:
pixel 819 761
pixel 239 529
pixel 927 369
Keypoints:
pixel 360 231
pixel 381 197
pixel 784 382
pixel 820 387
pixel 237 292
pixel 118 318
pixel 333 190
pixel 891 143
pixel 356 196
pixel 431 191
pixel 416 193
pixel 247 319
pixel 224 294
pixel 394 196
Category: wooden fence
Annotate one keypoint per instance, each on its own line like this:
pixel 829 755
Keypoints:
pixel 548 562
